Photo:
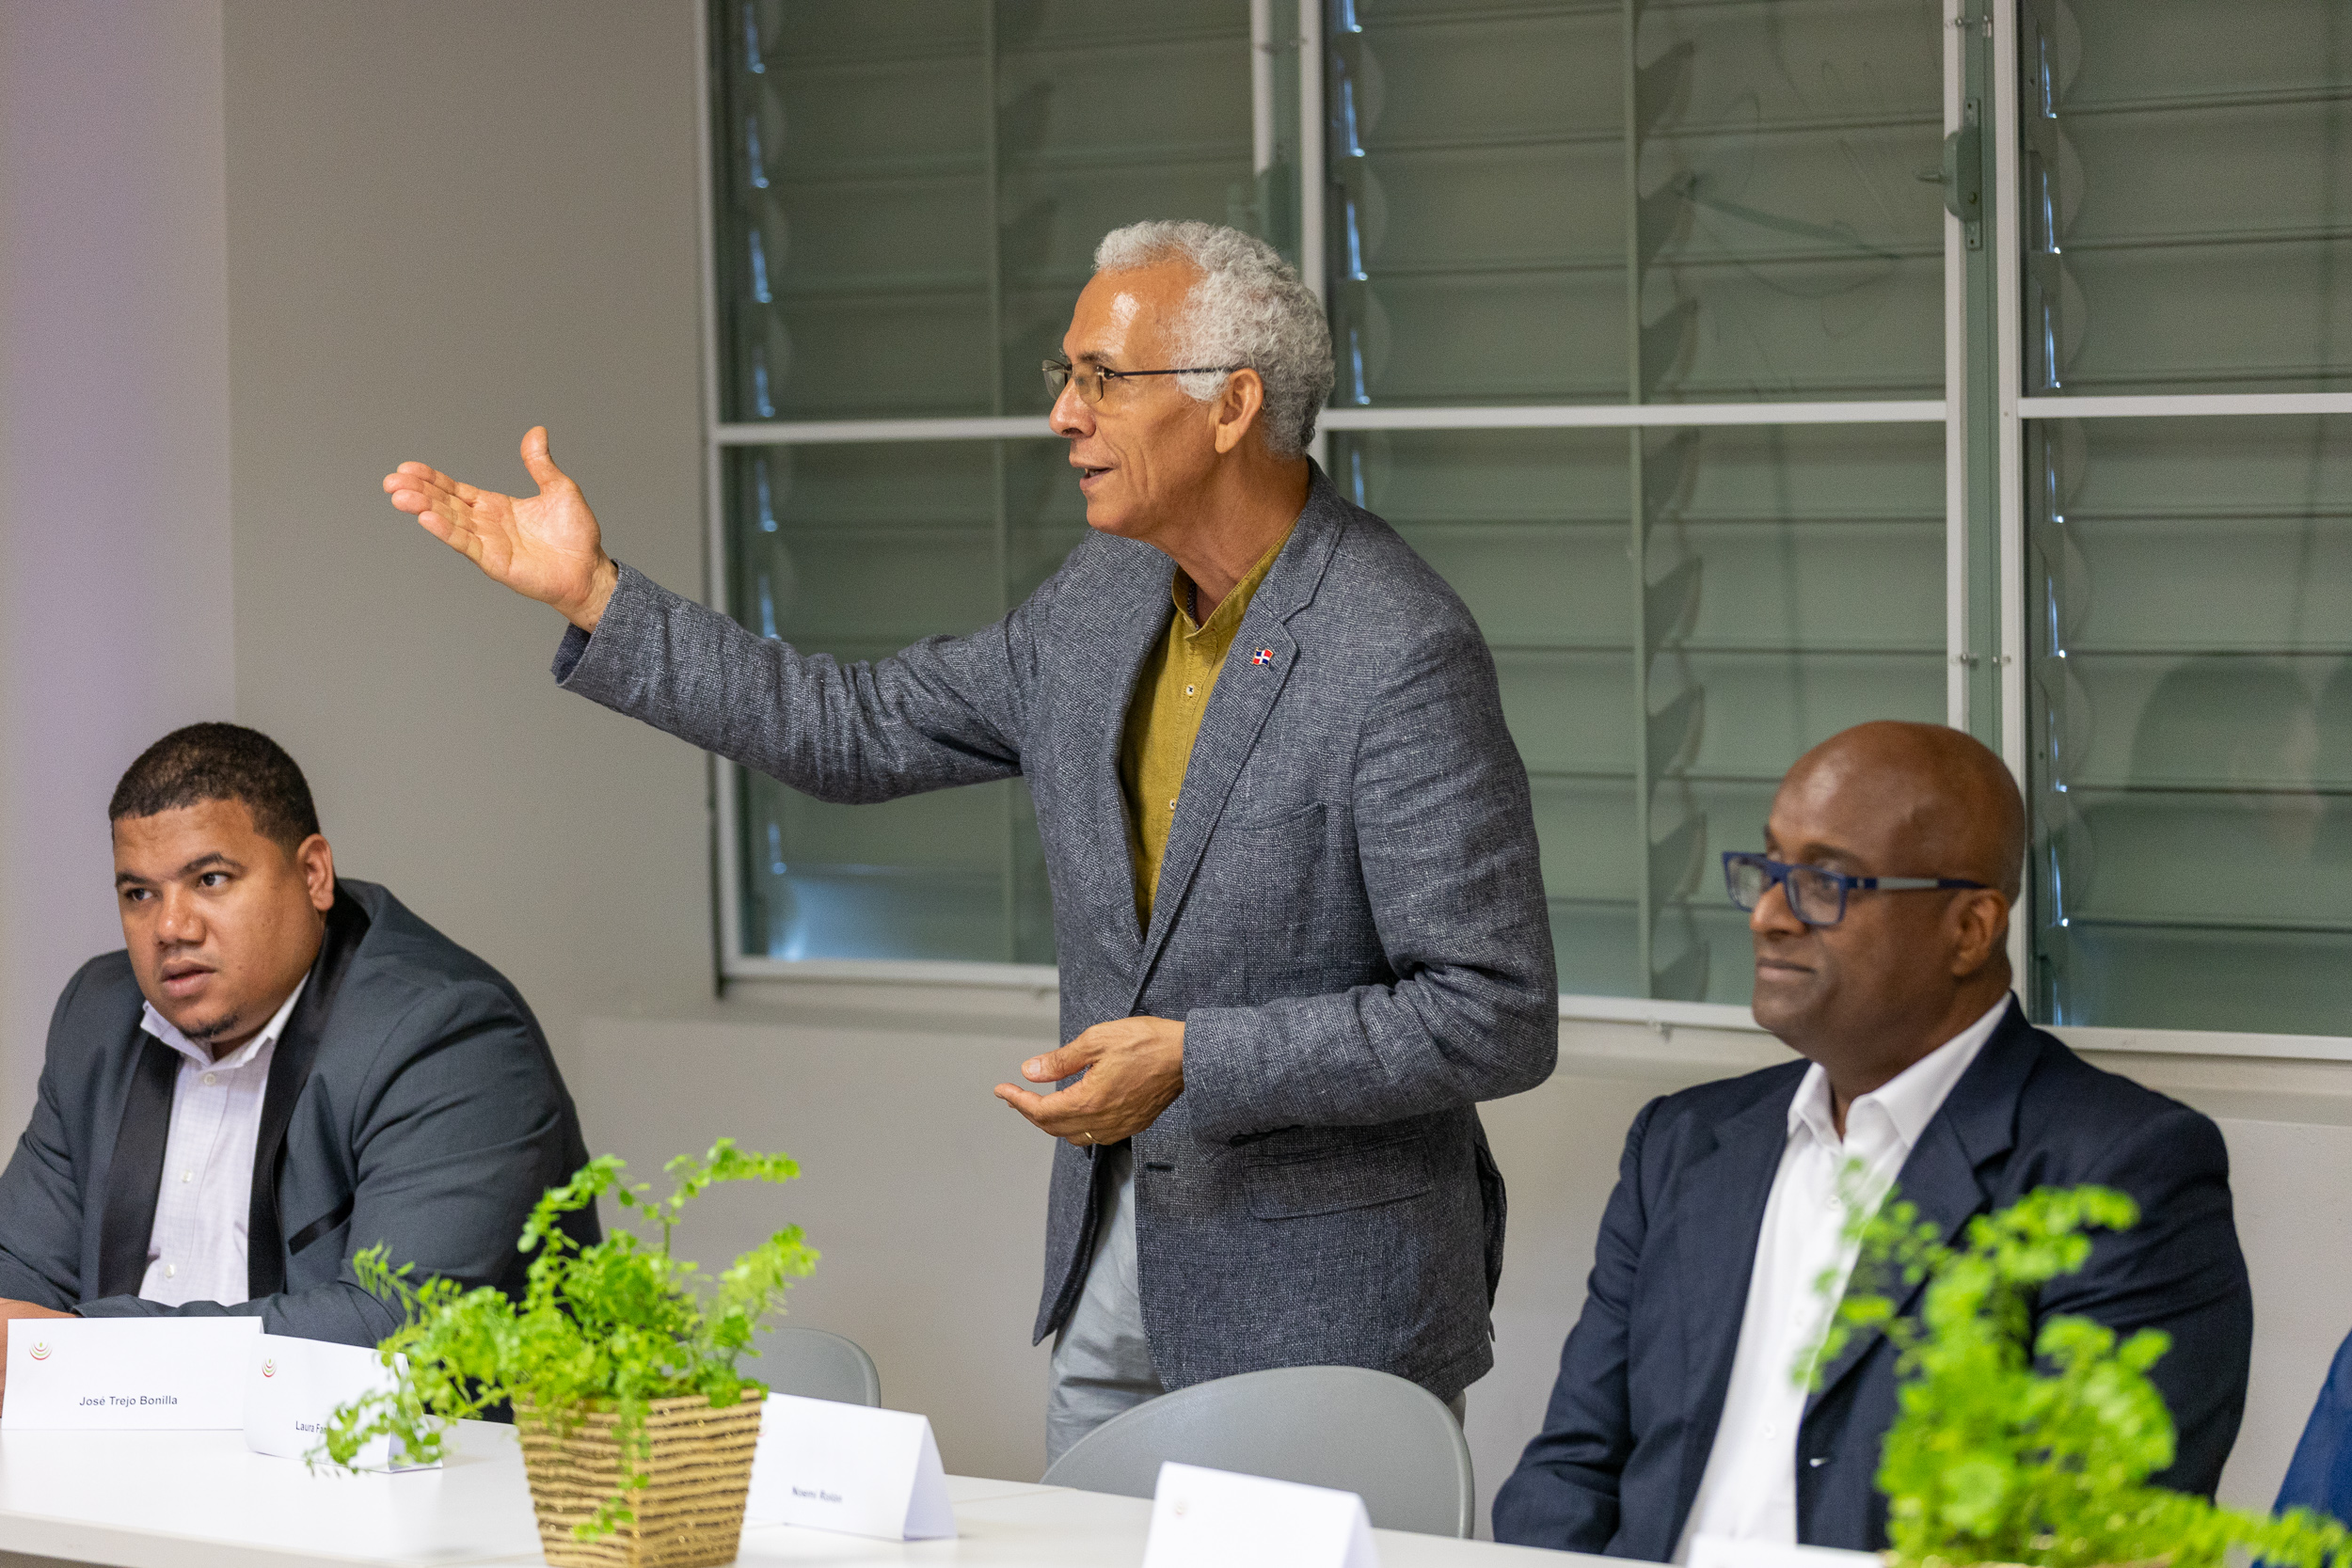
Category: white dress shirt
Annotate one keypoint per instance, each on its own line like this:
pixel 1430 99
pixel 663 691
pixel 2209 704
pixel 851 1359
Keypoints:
pixel 1749 1489
pixel 196 1250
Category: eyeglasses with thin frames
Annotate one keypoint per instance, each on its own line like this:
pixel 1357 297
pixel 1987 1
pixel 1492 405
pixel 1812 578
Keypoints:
pixel 1816 895
pixel 1092 381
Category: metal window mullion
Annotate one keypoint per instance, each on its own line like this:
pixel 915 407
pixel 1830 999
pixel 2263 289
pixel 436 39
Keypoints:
pixel 721 788
pixel 2001 239
pixel 1956 536
pixel 2186 404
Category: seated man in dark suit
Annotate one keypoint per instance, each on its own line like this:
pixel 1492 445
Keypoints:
pixel 279 1070
pixel 1879 923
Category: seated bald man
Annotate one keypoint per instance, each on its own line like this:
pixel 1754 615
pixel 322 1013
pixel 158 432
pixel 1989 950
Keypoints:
pixel 279 1068
pixel 1880 912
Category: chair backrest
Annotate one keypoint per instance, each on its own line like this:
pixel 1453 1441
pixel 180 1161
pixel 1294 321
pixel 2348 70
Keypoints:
pixel 816 1365
pixel 1389 1441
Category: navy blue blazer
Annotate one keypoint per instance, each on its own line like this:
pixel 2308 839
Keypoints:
pixel 1643 1374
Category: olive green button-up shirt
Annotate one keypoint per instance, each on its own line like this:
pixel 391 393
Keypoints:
pixel 1164 719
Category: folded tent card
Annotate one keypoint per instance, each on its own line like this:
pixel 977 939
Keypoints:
pixel 1203 1518
pixel 128 1374
pixel 292 1385
pixel 845 1467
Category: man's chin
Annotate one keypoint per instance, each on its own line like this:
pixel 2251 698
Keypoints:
pixel 1783 1003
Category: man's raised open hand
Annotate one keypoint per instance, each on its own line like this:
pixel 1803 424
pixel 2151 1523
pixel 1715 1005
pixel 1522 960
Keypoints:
pixel 545 547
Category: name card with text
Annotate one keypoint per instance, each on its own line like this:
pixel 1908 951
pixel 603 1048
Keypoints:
pixel 294 1384
pixel 1203 1518
pixel 128 1374
pixel 846 1468
pixel 1724 1551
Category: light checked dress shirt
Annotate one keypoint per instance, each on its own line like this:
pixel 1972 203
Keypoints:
pixel 196 1250
pixel 1749 1489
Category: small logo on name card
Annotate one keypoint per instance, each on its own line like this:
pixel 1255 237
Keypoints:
pixel 269 1368
pixel 40 1349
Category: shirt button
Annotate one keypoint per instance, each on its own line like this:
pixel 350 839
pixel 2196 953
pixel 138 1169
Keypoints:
pixel 209 1078
pixel 1188 691
pixel 1771 1431
pixel 187 1176
pixel 171 1271
pixel 1171 805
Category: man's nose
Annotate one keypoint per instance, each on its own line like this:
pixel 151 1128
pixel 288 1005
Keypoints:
pixel 1772 913
pixel 178 920
pixel 1070 415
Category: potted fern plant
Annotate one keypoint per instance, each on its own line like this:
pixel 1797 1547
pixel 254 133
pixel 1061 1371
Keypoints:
pixel 619 1361
pixel 2015 1447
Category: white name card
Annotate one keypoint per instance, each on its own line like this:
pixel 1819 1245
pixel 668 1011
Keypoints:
pixel 1725 1551
pixel 846 1468
pixel 293 1386
pixel 127 1374
pixel 1204 1518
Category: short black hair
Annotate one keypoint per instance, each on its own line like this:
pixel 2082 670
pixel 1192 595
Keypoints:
pixel 220 762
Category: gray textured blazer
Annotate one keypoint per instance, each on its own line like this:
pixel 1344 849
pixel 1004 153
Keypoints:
pixel 416 1106
pixel 1350 919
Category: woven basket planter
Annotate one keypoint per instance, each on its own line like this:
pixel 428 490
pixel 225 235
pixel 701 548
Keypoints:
pixel 690 1514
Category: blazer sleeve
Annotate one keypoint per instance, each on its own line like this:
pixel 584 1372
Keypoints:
pixel 458 1132
pixel 949 710
pixel 2178 1270
pixel 1564 1495
pixel 41 1191
pixel 1445 839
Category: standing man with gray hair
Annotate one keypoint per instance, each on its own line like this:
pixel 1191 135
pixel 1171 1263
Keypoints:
pixel 1301 924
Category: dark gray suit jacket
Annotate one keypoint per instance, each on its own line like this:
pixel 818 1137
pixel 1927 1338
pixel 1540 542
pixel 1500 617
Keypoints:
pixel 1645 1372
pixel 1350 919
pixel 419 1107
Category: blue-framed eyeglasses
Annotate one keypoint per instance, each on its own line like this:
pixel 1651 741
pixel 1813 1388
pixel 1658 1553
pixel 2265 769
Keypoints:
pixel 1816 896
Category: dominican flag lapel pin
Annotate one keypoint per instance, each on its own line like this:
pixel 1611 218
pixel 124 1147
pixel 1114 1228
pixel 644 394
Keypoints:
pixel 1263 655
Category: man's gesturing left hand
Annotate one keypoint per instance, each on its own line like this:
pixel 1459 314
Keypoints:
pixel 1134 1067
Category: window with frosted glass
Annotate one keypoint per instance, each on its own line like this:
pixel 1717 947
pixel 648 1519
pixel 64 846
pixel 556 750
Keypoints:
pixel 2183 179
pixel 1612 202
pixel 908 201
pixel 1790 585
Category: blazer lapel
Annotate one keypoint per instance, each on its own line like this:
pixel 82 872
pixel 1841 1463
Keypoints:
pixel 289 1071
pixel 1107 628
pixel 1252 676
pixel 1976 1125
pixel 1718 1218
pixel 135 1171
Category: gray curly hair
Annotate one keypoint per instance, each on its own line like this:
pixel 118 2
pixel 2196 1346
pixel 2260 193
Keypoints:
pixel 1248 308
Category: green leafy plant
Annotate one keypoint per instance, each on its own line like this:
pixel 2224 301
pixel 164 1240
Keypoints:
pixel 607 1327
pixel 2016 1446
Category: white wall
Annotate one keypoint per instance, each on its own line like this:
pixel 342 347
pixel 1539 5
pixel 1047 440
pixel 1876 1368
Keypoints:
pixel 449 221
pixel 115 597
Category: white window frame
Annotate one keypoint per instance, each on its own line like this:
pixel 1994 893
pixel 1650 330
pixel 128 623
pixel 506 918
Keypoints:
pixel 1951 411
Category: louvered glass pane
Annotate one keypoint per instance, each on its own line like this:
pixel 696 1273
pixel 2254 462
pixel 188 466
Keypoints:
pixel 1791 584
pixel 1600 202
pixel 855 552
pixel 2186 204
pixel 2189 587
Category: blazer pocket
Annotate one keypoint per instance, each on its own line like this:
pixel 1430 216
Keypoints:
pixel 1340 1179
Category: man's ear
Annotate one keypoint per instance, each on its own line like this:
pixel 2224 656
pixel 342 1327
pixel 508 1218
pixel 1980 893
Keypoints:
pixel 1981 915
pixel 316 862
pixel 1237 408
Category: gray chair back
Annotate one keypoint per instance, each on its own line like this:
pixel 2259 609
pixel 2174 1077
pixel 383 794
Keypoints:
pixel 1392 1442
pixel 817 1366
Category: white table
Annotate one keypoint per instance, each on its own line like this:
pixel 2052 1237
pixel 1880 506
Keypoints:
pixel 201 1500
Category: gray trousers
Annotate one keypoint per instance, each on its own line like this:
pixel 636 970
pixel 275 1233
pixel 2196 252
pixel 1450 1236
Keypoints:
pixel 1102 1361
